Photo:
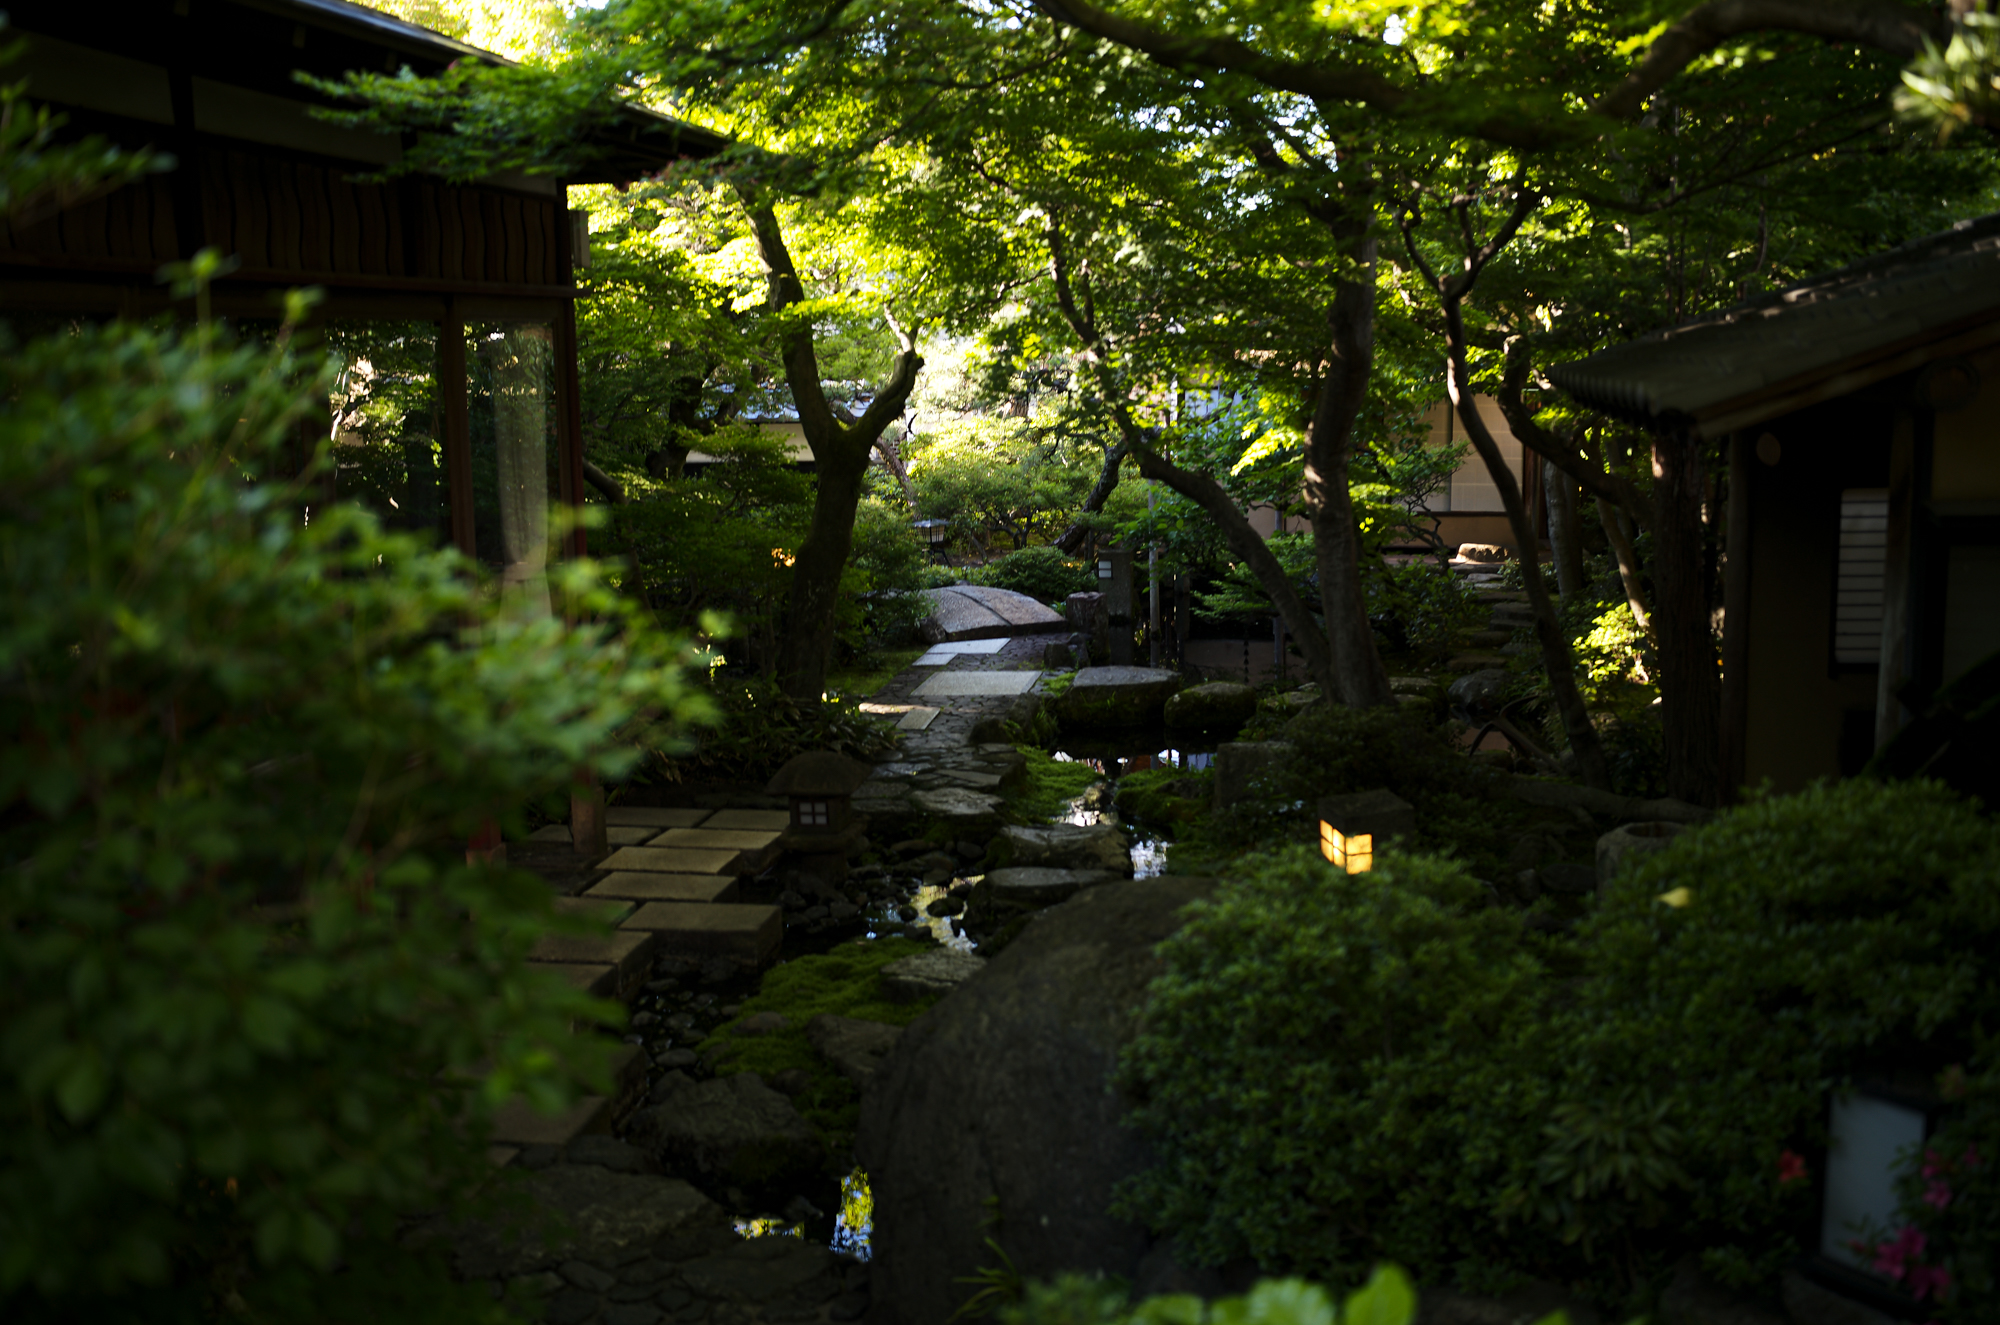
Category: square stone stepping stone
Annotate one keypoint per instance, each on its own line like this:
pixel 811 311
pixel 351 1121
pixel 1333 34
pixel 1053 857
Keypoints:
pixel 652 816
pixel 917 719
pixel 517 1123
pixel 551 833
pixel 659 860
pixel 628 950
pixel 758 848
pixel 617 835
pixel 949 685
pixel 756 821
pixel 627 885
pixel 747 935
pixel 598 979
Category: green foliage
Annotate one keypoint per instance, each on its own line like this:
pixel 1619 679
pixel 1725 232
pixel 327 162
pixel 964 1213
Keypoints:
pixel 1386 1299
pixel 997 478
pixel 1836 934
pixel 1165 796
pixel 1047 574
pixel 845 982
pixel 1305 1071
pixel 258 1008
pixel 1957 86
pixel 759 727
pixel 1051 785
pixel 1951 1198
pixel 1417 605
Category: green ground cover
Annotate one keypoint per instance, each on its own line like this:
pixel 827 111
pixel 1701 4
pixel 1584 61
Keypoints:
pixel 1052 783
pixel 870 672
pixel 844 983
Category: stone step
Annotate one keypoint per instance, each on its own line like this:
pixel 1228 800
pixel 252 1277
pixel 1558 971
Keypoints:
pixel 634 886
pixel 626 952
pixel 746 934
pixel 756 821
pixel 517 1124
pixel 758 847
pixel 662 860
pixel 617 836
pixel 652 816
pixel 917 719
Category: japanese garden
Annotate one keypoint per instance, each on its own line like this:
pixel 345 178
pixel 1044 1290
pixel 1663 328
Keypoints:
pixel 1062 663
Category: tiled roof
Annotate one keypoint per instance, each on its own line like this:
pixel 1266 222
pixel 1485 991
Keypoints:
pixel 1826 336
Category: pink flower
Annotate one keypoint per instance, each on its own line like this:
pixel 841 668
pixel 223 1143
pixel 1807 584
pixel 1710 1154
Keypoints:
pixel 1791 1167
pixel 1933 1164
pixel 1938 1194
pixel 1893 1258
pixel 1929 1281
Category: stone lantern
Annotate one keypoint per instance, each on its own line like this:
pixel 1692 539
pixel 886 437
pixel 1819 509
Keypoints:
pixel 820 786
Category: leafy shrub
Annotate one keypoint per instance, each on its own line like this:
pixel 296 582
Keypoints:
pixel 1309 1069
pixel 759 728
pixel 1386 1299
pixel 256 1008
pixel 1417 605
pixel 1047 574
pixel 1165 796
pixel 1841 933
pixel 1951 1200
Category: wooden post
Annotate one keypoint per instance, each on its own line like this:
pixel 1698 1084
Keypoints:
pixel 1736 616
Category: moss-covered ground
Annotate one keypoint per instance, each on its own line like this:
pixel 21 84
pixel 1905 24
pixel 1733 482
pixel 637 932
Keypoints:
pixel 870 672
pixel 845 982
pixel 1051 784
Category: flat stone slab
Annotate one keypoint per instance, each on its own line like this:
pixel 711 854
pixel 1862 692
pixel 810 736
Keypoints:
pixel 1035 885
pixel 598 979
pixel 940 654
pixel 516 1123
pixel 1099 846
pixel 939 971
pixel 959 808
pixel 660 860
pixel 577 1212
pixel 962 685
pixel 748 935
pixel 628 885
pixel 717 839
pixel 916 719
pixel 977 612
pixel 756 821
pixel 653 816
pixel 628 951
pixel 550 833
pixel 1117 696
pixel 617 835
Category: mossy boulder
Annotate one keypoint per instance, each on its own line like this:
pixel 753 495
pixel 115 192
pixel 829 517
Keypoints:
pixel 1217 706
pixel 1117 696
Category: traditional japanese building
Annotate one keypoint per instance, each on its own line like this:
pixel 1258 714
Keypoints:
pixel 451 307
pixel 1860 416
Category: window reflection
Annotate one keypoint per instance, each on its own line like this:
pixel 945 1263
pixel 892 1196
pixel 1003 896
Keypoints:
pixel 385 433
pixel 510 401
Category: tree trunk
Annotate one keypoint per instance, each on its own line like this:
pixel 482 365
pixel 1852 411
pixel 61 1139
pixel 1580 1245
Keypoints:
pixel 1628 564
pixel 813 609
pixel 891 451
pixel 1690 688
pixel 1248 544
pixel 1565 531
pixel 1357 675
pixel 1073 537
pixel 1556 659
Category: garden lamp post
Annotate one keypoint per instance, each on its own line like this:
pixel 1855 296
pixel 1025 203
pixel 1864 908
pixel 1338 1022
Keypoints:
pixel 1352 829
pixel 933 533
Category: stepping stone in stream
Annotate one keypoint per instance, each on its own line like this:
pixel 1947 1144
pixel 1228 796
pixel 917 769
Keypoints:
pixel 747 935
pixel 916 719
pixel 652 816
pixel 657 860
pixel 629 885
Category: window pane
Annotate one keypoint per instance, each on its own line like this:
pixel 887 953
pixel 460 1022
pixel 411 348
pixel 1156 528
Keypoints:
pixel 511 403
pixel 383 424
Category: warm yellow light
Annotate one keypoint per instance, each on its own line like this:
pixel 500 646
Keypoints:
pixel 1677 898
pixel 1355 855
pixel 780 557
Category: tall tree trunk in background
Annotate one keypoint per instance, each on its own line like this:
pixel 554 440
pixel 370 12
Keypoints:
pixel 1359 679
pixel 1565 530
pixel 1690 686
pixel 890 448
pixel 1073 537
pixel 840 456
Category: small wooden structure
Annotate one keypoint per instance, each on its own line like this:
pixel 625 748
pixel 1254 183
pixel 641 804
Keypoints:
pixel 452 306
pixel 1860 416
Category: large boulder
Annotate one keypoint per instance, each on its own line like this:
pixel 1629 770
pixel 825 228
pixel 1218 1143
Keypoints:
pixel 1480 690
pixel 1036 885
pixel 570 1212
pixel 1217 706
pixel 938 971
pixel 1098 846
pixel 854 1046
pixel 975 611
pixel 964 812
pixel 1240 765
pixel 1117 696
pixel 992 1116
pixel 733 1130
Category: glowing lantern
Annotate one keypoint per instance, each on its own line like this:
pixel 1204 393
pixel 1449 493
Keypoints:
pixel 1352 829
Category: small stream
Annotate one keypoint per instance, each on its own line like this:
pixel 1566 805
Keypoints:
pixel 1114 759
